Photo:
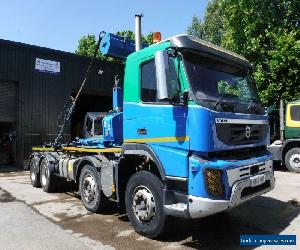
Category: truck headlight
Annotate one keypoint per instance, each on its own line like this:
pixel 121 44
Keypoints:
pixel 214 183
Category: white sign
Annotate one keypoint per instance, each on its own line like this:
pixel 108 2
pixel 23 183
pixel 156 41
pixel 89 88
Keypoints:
pixel 47 66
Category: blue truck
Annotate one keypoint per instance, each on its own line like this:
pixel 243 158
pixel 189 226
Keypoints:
pixel 187 138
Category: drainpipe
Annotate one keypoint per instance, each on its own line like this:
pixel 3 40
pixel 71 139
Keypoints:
pixel 281 119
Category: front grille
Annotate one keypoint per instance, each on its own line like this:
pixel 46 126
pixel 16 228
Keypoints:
pixel 237 174
pixel 240 154
pixel 239 134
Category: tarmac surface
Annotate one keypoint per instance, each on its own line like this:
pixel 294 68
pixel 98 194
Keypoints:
pixel 32 219
pixel 23 228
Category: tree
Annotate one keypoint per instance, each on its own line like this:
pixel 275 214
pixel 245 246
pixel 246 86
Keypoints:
pixel 214 22
pixel 147 40
pixel 197 28
pixel 281 77
pixel 267 33
pixel 87 46
pixel 211 29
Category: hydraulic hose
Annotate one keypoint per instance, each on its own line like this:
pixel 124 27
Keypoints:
pixel 70 104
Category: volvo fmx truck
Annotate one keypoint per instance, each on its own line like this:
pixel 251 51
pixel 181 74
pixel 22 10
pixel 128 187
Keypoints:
pixel 186 138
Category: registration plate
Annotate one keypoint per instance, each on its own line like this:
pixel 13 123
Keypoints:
pixel 257 180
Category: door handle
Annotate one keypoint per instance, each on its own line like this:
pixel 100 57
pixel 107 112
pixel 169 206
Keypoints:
pixel 142 131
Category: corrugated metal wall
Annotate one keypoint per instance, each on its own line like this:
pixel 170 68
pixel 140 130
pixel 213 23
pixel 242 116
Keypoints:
pixel 8 102
pixel 41 96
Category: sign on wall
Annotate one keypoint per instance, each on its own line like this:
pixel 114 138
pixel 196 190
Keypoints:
pixel 47 66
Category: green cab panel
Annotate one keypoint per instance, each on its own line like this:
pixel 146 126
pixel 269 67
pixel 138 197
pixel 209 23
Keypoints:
pixel 132 88
pixel 291 133
pixel 292 120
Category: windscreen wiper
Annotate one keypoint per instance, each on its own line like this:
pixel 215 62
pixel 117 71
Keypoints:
pixel 218 101
pixel 221 100
pixel 252 105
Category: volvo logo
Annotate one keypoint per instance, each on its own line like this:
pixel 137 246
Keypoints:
pixel 248 132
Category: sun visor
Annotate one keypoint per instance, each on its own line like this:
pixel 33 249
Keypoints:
pixel 192 43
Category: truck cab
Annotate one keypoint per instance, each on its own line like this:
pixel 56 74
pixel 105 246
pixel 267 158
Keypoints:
pixel 204 124
pixel 92 126
pixel 292 124
pixel 287 148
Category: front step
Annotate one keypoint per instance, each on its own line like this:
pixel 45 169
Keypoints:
pixel 177 209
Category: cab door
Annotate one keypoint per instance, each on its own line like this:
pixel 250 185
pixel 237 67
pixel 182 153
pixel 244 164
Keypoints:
pixel 160 124
pixel 292 128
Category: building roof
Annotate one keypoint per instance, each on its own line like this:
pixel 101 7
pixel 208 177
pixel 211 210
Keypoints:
pixel 69 55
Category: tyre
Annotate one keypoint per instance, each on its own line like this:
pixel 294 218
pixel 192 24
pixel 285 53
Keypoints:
pixel 90 190
pixel 144 204
pixel 34 171
pixel 292 160
pixel 47 178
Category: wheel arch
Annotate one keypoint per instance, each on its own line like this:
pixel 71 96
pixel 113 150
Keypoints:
pixel 86 160
pixel 288 145
pixel 51 158
pixel 140 149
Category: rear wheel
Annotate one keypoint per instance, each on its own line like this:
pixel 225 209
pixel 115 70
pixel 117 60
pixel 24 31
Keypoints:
pixel 292 160
pixel 34 171
pixel 144 204
pixel 47 178
pixel 90 190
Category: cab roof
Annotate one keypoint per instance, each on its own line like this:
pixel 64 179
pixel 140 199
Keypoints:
pixel 294 102
pixel 189 42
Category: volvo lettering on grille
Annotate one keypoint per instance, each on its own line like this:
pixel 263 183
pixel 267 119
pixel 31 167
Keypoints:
pixel 248 132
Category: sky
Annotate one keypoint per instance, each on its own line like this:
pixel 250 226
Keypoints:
pixel 59 24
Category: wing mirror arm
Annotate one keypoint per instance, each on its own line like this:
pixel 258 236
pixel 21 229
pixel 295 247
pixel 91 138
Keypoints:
pixel 184 97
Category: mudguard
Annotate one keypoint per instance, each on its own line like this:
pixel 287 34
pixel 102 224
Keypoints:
pixel 144 149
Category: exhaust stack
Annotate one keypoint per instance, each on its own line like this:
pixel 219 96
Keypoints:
pixel 138 32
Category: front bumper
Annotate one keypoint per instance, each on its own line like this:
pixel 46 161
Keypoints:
pixel 241 191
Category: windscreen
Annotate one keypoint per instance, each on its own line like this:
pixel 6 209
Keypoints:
pixel 216 83
pixel 89 124
pixel 98 126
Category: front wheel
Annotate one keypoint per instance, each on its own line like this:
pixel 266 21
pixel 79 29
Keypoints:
pixel 144 204
pixel 292 160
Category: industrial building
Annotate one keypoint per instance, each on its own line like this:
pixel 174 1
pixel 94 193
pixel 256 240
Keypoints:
pixel 35 84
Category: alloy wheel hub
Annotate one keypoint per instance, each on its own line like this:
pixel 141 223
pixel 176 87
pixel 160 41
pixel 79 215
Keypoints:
pixel 89 188
pixel 143 205
pixel 33 176
pixel 33 167
pixel 44 174
pixel 295 161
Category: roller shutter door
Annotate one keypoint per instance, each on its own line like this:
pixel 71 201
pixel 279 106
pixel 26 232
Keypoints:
pixel 8 102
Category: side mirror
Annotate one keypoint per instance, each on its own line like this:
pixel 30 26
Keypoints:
pixel 162 74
